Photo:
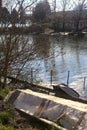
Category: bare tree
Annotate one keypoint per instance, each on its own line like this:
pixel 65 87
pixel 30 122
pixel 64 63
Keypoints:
pixel 15 49
pixel 79 13
pixel 54 4
pixel 15 53
pixel 65 5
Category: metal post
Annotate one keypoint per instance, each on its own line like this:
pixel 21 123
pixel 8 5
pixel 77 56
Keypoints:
pixel 31 75
pixel 84 82
pixel 68 78
pixel 51 76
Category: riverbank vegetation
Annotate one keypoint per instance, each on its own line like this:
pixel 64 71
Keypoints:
pixel 69 18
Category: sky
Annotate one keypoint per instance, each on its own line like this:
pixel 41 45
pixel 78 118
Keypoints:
pixel 58 2
pixel 70 4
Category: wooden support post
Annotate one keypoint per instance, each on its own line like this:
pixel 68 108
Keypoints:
pixel 68 78
pixel 51 77
pixel 31 75
pixel 84 82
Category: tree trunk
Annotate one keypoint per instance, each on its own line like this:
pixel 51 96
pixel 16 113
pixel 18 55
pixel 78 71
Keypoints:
pixel 63 26
pixel 8 42
pixel 64 21
pixel 77 24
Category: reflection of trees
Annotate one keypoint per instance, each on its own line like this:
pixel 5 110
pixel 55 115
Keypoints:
pixel 76 50
pixel 41 46
pixel 47 49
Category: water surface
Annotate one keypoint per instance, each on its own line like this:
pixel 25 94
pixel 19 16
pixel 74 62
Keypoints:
pixel 62 54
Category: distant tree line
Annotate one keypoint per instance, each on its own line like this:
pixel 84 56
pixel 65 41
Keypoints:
pixel 72 12
pixel 13 17
pixel 42 11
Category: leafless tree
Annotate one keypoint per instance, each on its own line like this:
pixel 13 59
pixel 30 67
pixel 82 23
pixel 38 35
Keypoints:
pixel 54 2
pixel 79 13
pixel 15 49
pixel 65 5
pixel 15 53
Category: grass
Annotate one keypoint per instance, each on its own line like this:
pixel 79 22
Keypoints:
pixel 4 92
pixel 5 128
pixel 5 117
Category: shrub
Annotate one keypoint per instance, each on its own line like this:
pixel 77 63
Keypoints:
pixel 5 128
pixel 4 92
pixel 4 117
pixel 52 128
pixel 1 97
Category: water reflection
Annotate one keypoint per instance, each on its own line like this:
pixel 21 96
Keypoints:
pixel 62 55
pixel 41 46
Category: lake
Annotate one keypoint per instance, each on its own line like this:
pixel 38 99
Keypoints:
pixel 61 54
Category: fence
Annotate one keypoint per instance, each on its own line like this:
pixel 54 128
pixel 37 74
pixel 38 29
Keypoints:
pixel 50 78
